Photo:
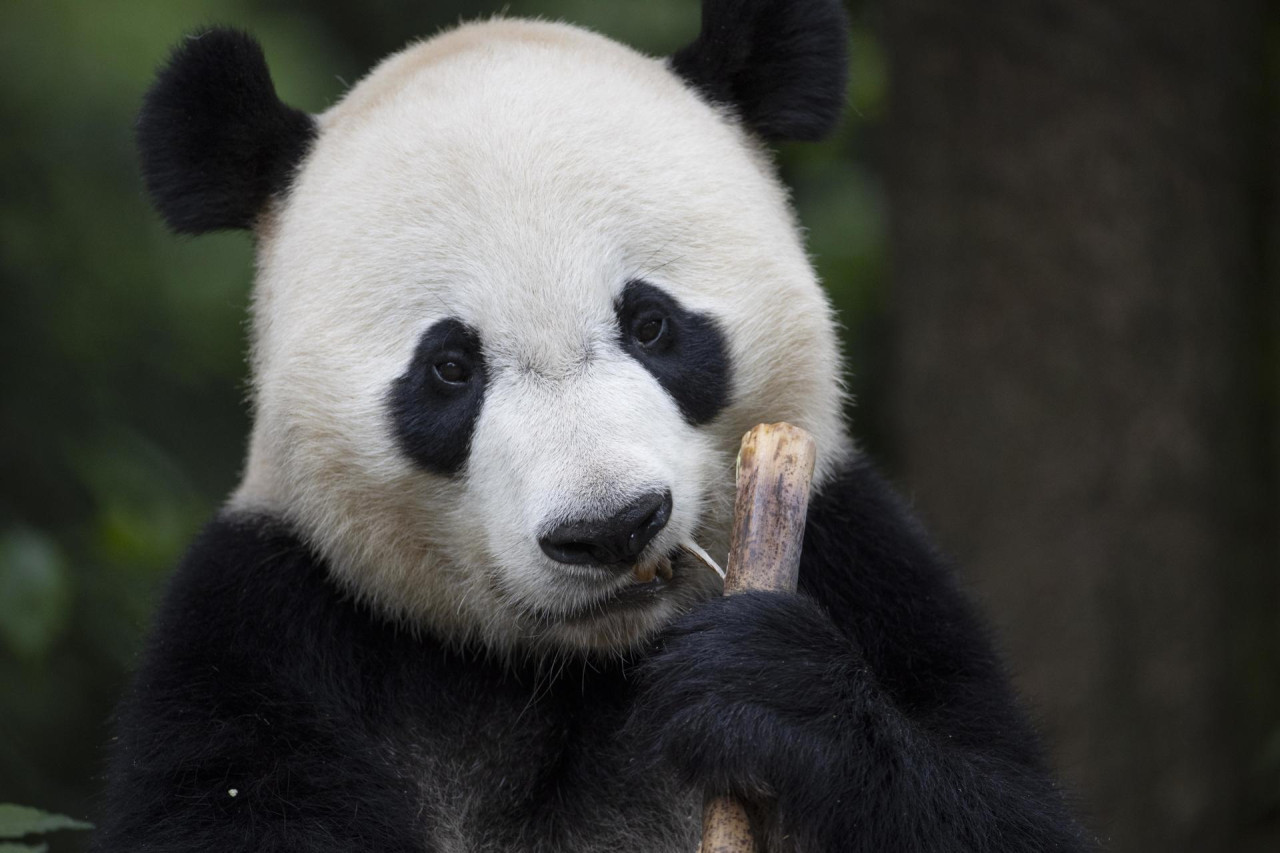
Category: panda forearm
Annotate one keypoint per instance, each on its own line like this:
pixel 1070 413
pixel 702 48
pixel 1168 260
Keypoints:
pixel 871 706
pixel 762 695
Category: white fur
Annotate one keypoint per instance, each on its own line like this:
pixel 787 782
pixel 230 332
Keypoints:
pixel 516 175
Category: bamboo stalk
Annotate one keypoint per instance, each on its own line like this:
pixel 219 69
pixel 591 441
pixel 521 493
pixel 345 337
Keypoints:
pixel 775 466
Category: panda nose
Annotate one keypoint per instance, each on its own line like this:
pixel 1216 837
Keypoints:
pixel 615 541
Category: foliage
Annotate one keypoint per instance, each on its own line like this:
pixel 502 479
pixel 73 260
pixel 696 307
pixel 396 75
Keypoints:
pixel 20 821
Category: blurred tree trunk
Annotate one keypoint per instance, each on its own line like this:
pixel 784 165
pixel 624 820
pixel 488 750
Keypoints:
pixel 1076 192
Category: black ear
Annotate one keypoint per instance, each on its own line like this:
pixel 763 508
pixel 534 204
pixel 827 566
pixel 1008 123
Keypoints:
pixel 216 142
pixel 781 64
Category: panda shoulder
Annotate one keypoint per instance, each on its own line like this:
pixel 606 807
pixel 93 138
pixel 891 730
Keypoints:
pixel 864 543
pixel 248 595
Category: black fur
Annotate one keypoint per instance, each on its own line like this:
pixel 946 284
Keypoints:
pixel 780 64
pixel 216 143
pixel 688 358
pixel 340 732
pixel 868 711
pixel 434 419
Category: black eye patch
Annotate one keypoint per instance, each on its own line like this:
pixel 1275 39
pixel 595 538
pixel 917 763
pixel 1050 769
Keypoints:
pixel 683 350
pixel 435 402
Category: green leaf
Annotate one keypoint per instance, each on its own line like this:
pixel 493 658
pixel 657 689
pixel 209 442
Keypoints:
pixel 23 848
pixel 35 595
pixel 17 821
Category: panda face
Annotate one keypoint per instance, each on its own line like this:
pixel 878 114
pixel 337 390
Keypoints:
pixel 524 297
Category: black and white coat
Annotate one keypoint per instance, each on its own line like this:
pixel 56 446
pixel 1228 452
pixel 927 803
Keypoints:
pixel 274 713
pixel 518 295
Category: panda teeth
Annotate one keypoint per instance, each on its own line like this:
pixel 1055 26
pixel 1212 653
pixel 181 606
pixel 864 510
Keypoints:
pixel 659 568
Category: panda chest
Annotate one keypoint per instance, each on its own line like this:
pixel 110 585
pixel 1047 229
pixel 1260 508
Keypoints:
pixel 546 775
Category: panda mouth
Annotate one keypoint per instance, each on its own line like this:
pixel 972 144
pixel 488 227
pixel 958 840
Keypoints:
pixel 649 585
pixel 651 582
pixel 640 592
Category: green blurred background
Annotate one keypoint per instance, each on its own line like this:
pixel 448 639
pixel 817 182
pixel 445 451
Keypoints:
pixel 123 373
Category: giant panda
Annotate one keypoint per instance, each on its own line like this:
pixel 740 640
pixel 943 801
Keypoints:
pixel 518 295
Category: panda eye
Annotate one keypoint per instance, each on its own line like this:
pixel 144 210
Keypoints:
pixel 452 371
pixel 683 350
pixel 647 331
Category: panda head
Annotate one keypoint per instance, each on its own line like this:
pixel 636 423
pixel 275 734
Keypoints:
pixel 518 296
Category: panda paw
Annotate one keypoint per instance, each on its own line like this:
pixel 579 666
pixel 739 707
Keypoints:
pixel 753 694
